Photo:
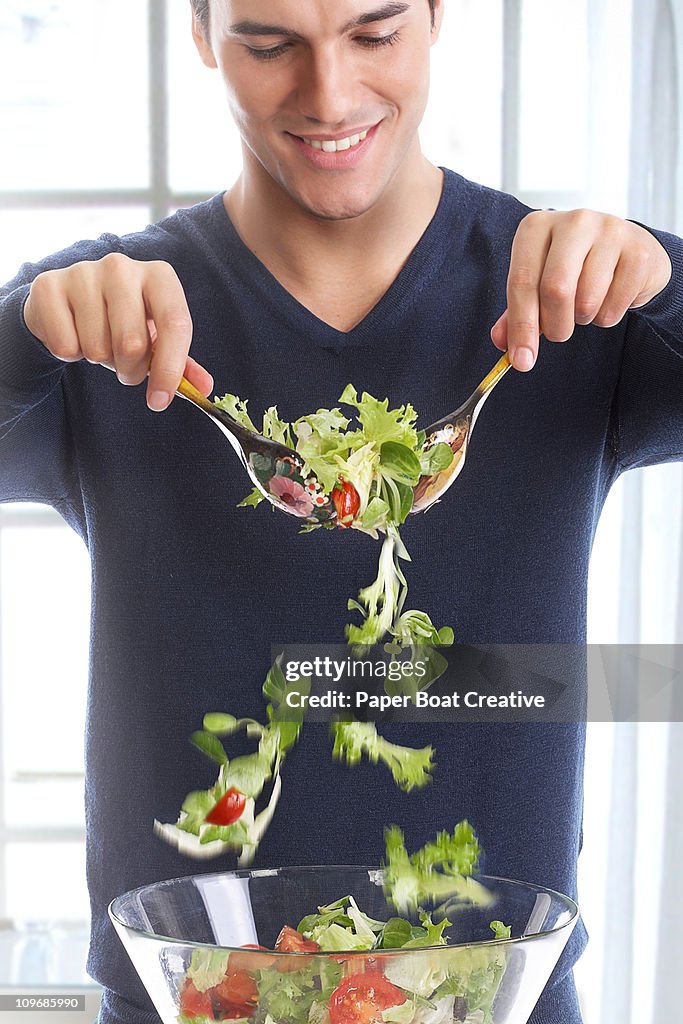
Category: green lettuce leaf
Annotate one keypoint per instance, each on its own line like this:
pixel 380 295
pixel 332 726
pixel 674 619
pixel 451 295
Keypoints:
pixel 197 805
pixel 252 500
pixel 275 428
pixel 237 408
pixel 441 870
pixel 436 459
pixel 248 773
pixel 359 469
pixel 289 996
pixel 429 934
pixel 209 745
pixel 403 1013
pixel 410 768
pixel 207 968
pixel 395 933
pixel 374 514
pixel 400 463
pixel 380 423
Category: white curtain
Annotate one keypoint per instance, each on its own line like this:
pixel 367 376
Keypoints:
pixel 637 939
pixel 579 104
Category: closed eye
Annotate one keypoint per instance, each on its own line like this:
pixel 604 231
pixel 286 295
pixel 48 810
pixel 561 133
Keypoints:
pixel 374 41
pixel 270 53
pixel 371 42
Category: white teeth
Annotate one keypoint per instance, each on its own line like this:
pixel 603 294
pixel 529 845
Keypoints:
pixel 336 145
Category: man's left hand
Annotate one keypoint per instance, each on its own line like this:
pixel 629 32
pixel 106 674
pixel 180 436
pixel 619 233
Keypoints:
pixel 575 267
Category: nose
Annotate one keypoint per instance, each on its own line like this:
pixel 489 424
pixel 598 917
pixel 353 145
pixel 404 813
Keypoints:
pixel 326 88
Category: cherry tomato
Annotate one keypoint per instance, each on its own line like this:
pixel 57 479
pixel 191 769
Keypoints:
pixel 291 941
pixel 346 501
pixel 360 998
pixel 248 961
pixel 228 809
pixel 194 1003
pixel 237 989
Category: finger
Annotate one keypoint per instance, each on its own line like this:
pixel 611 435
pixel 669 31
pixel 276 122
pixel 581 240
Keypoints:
pixel 91 320
pixel 563 267
pixel 194 371
pixel 656 265
pixel 623 291
pixel 594 282
pixel 166 305
pixel 197 375
pixel 57 331
pixel 529 251
pixel 499 332
pixel 131 344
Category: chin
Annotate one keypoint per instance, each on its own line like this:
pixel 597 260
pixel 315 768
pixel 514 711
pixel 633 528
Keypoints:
pixel 334 212
pixel 335 202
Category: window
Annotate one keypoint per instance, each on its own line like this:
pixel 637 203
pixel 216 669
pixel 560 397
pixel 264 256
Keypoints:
pixel 81 161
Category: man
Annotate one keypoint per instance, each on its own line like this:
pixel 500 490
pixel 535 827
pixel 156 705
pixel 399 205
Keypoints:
pixel 341 254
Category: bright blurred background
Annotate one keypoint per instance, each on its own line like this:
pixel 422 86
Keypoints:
pixel 108 122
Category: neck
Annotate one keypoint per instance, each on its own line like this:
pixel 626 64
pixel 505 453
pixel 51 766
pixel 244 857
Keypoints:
pixel 308 251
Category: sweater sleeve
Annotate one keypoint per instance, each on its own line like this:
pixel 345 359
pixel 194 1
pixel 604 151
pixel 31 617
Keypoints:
pixel 648 408
pixel 35 455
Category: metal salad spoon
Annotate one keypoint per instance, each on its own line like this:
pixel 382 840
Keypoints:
pixel 455 430
pixel 276 470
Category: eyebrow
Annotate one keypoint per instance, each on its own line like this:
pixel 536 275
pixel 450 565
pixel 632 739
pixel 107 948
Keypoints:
pixel 257 28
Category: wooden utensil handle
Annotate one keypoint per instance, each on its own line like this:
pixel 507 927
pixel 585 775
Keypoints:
pixel 492 378
pixel 190 392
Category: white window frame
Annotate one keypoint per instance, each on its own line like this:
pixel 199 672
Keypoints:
pixel 12 516
pixel 157 200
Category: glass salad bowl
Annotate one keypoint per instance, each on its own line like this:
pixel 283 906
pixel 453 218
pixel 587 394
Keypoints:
pixel 186 938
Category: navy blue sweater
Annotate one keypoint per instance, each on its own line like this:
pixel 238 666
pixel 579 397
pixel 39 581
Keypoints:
pixel 189 591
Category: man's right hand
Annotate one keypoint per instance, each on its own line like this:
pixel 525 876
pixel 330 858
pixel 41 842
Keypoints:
pixel 115 312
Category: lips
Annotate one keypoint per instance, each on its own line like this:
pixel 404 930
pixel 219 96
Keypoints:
pixel 338 153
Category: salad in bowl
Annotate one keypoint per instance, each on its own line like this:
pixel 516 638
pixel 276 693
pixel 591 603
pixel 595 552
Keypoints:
pixel 269 947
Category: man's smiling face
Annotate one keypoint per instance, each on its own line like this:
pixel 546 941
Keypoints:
pixel 327 96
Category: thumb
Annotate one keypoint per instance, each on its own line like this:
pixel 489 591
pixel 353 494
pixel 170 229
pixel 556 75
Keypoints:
pixel 499 332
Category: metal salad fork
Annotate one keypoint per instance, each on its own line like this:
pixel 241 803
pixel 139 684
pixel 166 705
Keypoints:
pixel 455 430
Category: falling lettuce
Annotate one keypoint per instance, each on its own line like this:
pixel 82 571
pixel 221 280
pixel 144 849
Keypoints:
pixel 410 768
pixel 250 774
pixel 441 870
pixel 382 455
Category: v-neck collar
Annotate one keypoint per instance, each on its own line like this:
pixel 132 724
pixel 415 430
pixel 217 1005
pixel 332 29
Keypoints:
pixel 423 262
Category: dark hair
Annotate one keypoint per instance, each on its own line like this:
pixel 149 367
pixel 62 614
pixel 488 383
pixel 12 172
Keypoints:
pixel 201 9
